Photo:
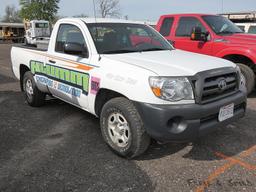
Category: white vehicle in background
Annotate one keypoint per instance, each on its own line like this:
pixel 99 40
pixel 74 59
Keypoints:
pixel 247 27
pixel 246 21
pixel 36 30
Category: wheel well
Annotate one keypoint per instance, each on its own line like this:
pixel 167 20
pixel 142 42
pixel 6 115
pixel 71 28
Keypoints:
pixel 103 96
pixel 23 70
pixel 241 59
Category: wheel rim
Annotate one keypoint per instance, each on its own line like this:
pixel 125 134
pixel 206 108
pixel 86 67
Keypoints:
pixel 118 130
pixel 29 88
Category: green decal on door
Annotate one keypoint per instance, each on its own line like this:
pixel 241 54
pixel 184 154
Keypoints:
pixel 67 76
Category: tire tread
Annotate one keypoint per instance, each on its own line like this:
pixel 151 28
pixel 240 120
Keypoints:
pixel 38 97
pixel 143 140
pixel 249 75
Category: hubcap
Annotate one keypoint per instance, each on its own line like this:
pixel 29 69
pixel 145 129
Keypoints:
pixel 29 88
pixel 118 129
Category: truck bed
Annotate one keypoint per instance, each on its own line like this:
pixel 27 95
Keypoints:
pixel 22 54
pixel 31 47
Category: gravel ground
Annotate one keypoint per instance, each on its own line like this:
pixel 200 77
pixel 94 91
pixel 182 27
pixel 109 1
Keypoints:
pixel 59 148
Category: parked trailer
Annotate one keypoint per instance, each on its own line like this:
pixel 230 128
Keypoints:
pixel 241 17
pixel 12 32
pixel 247 27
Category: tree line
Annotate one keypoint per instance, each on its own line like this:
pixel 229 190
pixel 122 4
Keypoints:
pixel 48 9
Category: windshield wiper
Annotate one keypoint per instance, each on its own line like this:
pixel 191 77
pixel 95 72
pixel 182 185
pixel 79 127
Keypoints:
pixel 154 49
pixel 226 32
pixel 119 51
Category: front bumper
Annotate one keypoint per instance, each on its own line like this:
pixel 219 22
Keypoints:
pixel 183 123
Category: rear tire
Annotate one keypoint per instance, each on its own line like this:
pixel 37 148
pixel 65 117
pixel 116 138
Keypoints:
pixel 33 95
pixel 25 41
pixel 249 77
pixel 123 129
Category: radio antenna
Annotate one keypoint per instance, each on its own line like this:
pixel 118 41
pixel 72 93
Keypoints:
pixel 222 6
pixel 94 10
pixel 96 27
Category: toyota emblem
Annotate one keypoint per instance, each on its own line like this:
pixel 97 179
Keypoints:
pixel 222 84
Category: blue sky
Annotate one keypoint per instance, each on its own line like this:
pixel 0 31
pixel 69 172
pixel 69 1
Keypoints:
pixel 150 9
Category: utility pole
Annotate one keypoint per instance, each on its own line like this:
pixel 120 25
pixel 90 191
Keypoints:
pixel 222 6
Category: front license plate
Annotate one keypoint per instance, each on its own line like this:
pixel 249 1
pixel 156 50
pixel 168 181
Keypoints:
pixel 226 112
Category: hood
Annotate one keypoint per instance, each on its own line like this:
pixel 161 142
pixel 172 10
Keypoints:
pixel 171 63
pixel 242 38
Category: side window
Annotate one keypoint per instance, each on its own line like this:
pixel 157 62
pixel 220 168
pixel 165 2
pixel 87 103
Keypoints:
pixel 252 30
pixel 69 34
pixel 166 26
pixel 186 24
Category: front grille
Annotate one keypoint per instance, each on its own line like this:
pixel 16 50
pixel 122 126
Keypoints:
pixel 211 85
pixel 212 90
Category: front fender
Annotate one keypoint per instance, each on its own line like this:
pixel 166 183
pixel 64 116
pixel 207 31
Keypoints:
pixel 251 54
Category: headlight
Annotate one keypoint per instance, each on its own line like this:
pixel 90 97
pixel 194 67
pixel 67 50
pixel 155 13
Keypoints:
pixel 171 89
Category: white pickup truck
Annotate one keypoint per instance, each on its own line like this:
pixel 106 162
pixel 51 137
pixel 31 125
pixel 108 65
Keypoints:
pixel 130 77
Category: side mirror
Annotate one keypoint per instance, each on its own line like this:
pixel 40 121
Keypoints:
pixel 75 49
pixel 198 35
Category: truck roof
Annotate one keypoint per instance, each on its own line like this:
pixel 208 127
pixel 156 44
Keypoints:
pixel 41 21
pixel 102 20
pixel 14 25
pixel 187 14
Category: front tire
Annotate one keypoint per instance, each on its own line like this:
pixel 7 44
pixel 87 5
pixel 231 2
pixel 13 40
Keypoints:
pixel 123 129
pixel 249 77
pixel 33 95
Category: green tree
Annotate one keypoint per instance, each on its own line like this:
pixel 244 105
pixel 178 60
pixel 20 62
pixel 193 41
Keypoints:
pixel 39 9
pixel 11 15
pixel 56 18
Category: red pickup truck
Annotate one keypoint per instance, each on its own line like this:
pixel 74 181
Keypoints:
pixel 212 35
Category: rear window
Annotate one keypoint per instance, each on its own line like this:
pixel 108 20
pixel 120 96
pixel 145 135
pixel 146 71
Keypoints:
pixel 252 30
pixel 42 25
pixel 166 26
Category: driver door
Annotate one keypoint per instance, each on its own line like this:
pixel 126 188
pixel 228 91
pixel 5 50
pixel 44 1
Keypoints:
pixel 70 69
pixel 182 38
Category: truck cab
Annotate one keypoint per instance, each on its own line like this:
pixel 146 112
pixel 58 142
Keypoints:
pixel 36 30
pixel 212 35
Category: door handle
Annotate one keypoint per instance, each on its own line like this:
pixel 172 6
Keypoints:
pixel 51 61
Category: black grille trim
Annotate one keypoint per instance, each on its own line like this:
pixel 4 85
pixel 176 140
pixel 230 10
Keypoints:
pixel 206 87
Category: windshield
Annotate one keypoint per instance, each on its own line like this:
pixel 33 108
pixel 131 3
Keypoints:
pixel 111 38
pixel 221 25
